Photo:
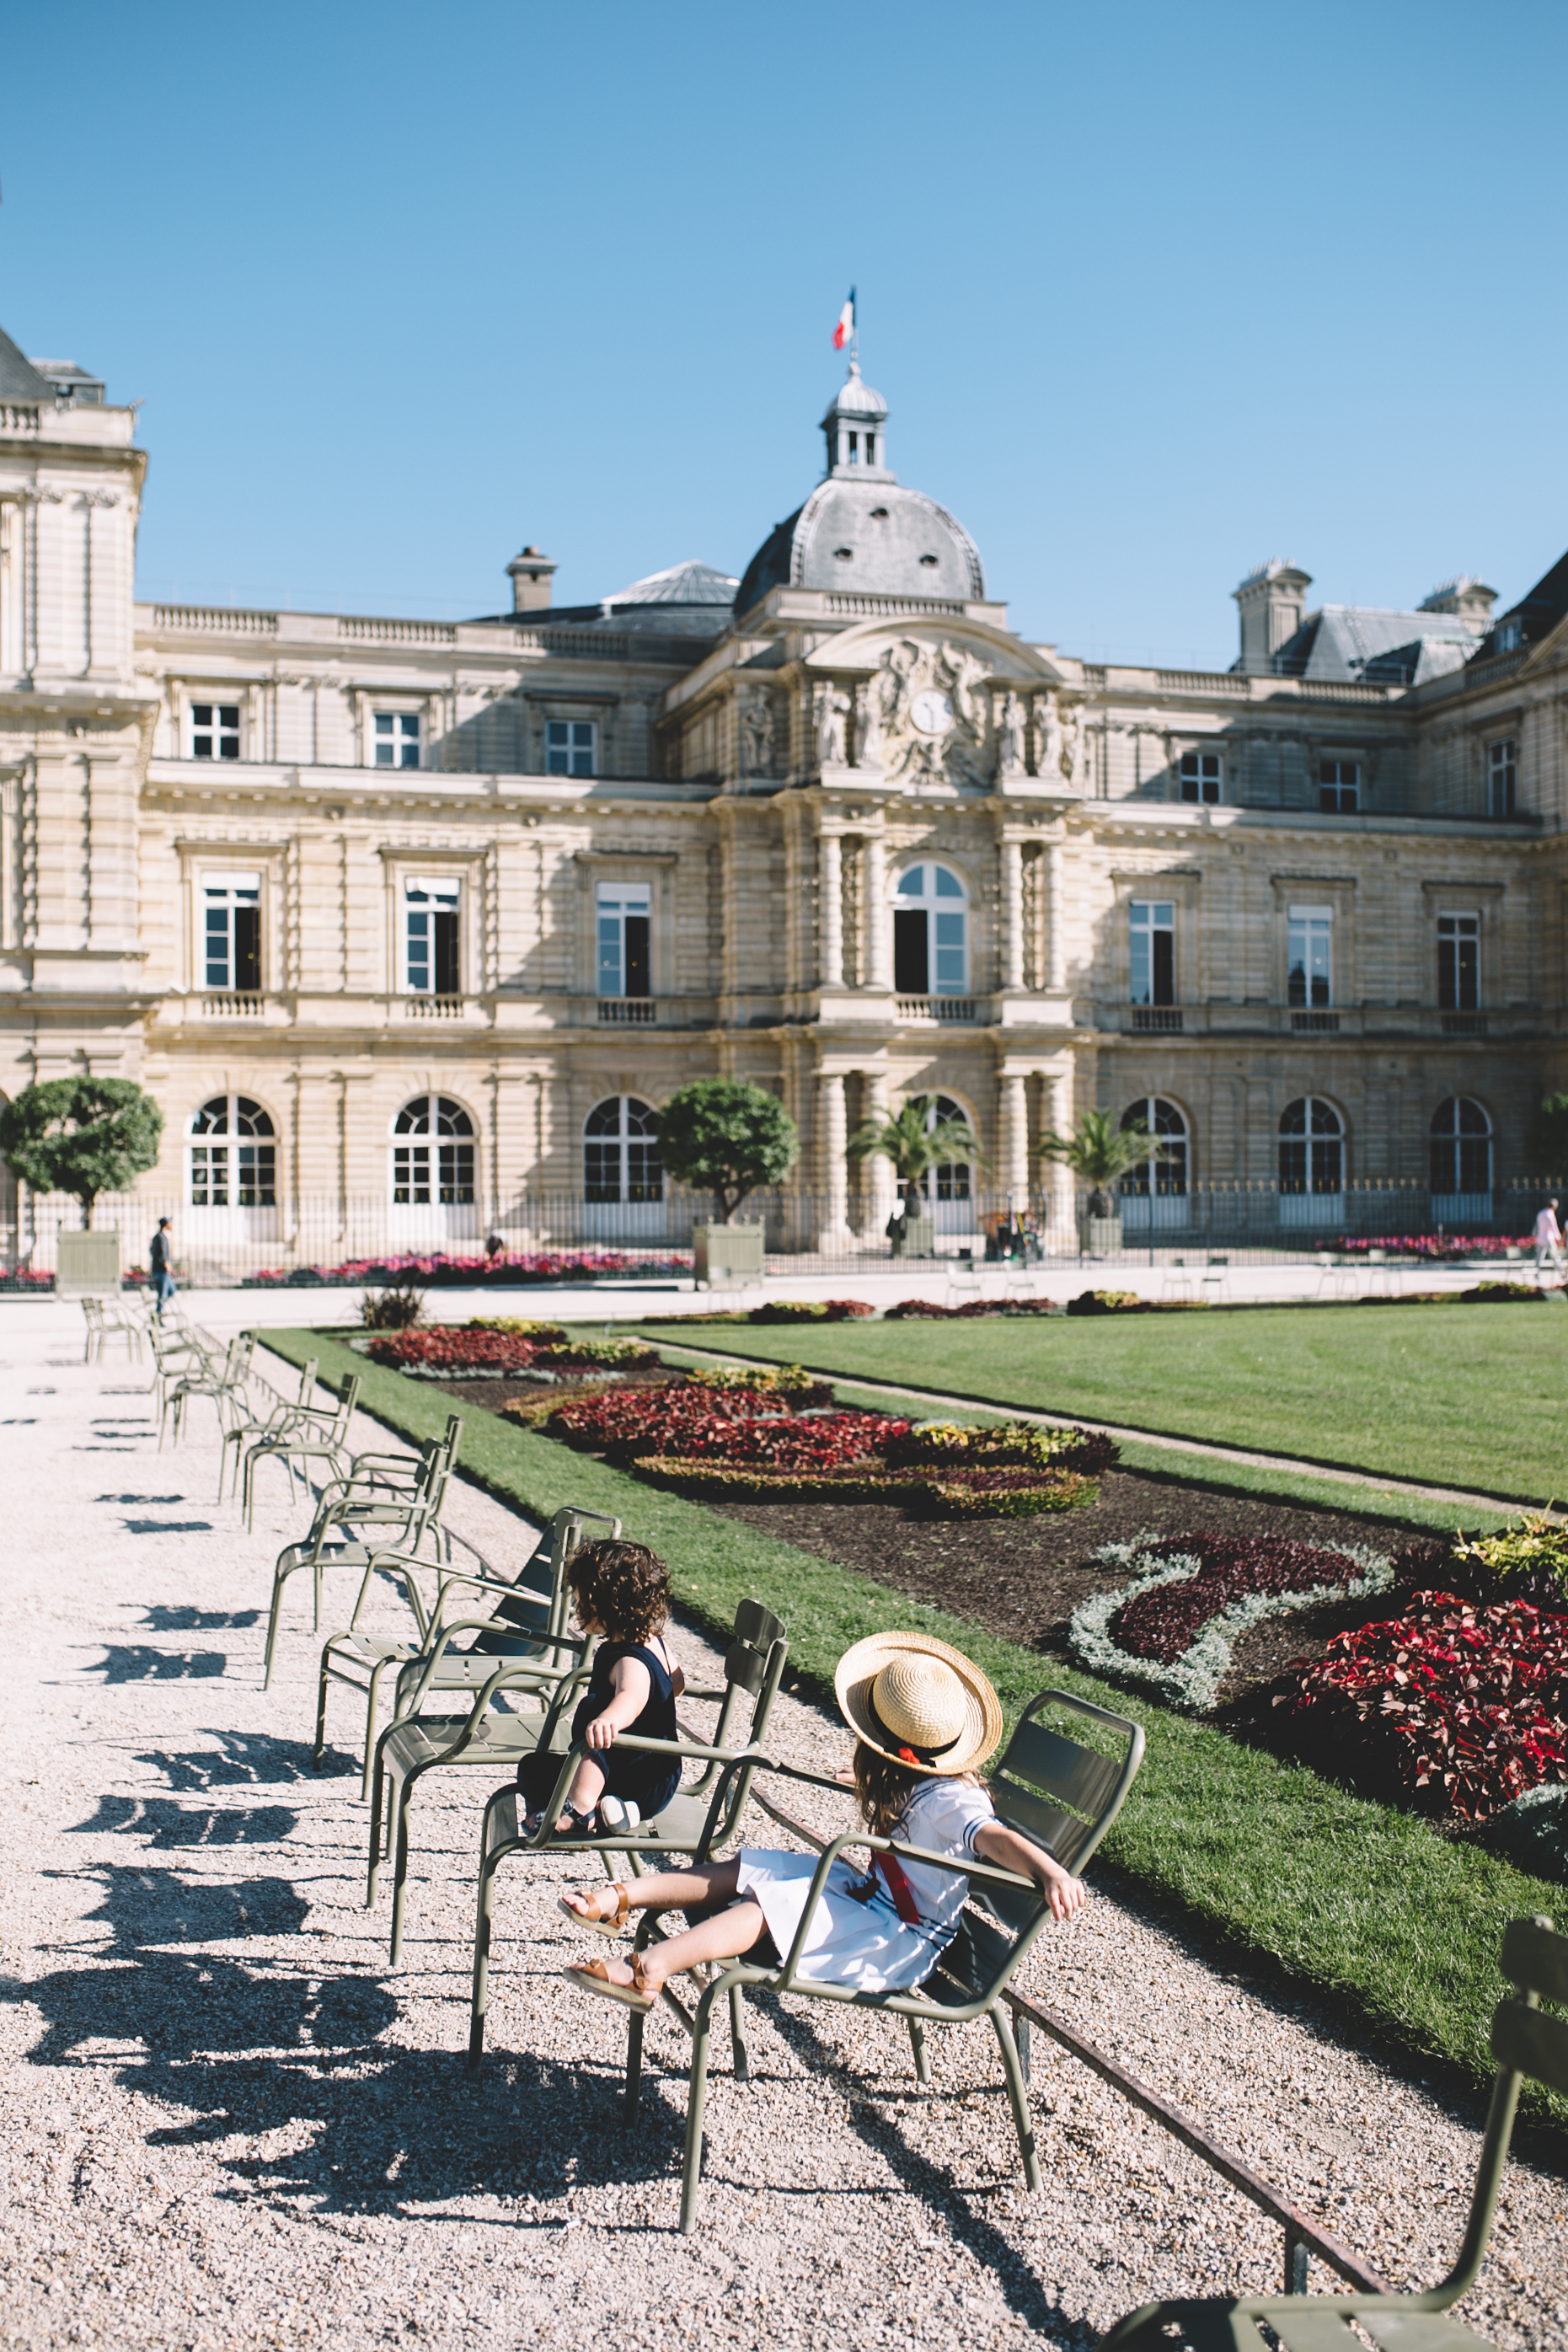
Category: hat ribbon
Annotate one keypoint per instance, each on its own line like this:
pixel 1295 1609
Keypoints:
pixel 904 1749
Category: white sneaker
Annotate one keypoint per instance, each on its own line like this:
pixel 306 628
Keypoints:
pixel 618 1813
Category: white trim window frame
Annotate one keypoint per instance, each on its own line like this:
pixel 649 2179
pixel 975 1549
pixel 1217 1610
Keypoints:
pixel 434 1154
pixel 432 934
pixel 1458 961
pixel 623 931
pixel 231 932
pixel 1150 950
pixel 1502 772
pixel 1200 775
pixel 936 894
pixel 1309 957
pixel 214 729
pixel 231 1155
pixel 571 746
pixel 397 739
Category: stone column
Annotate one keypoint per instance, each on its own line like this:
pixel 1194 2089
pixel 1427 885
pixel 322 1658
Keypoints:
pixel 830 913
pixel 832 1172
pixel 1012 914
pixel 1055 945
pixel 1061 1225
pixel 877 920
pixel 1012 1156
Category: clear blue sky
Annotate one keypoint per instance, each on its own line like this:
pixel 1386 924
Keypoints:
pixel 1153 292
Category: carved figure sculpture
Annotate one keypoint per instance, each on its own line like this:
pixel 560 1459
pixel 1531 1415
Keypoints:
pixel 1050 739
pixel 868 722
pixel 756 735
pixel 833 720
pixel 1010 736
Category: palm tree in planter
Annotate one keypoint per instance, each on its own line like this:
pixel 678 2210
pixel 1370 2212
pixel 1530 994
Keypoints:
pixel 914 1147
pixel 1100 1154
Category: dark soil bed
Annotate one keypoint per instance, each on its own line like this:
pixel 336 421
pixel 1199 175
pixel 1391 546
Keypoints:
pixel 1022 1578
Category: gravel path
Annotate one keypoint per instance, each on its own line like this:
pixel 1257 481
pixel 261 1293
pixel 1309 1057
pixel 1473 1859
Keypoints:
pixel 226 2122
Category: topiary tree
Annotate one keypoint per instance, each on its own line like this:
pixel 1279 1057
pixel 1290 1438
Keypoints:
pixel 1099 1153
pixel 724 1136
pixel 85 1136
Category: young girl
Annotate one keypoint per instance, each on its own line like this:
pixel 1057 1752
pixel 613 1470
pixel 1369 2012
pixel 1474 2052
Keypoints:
pixel 927 1719
pixel 623 1593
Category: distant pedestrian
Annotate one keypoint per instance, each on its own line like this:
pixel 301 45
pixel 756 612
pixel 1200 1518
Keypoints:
pixel 495 1247
pixel 160 1254
pixel 1549 1237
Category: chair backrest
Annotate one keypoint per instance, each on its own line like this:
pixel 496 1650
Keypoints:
pixel 753 1665
pixel 1524 2041
pixel 534 1613
pixel 308 1371
pixel 346 1403
pixel 1057 1791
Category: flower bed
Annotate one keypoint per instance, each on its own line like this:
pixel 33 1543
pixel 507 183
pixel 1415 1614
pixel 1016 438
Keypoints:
pixel 472 1273
pixel 972 1310
pixel 623 1422
pixel 973 1495
pixel 948 1445
pixel 811 1310
pixel 1463 1707
pixel 1192 1596
pixel 1434 1245
pixel 447 1350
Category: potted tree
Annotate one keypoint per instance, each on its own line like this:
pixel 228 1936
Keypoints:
pixel 1100 1154
pixel 85 1136
pixel 914 1149
pixel 726 1136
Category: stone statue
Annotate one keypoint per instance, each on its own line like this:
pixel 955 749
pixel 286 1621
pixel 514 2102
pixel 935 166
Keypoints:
pixel 756 735
pixel 868 722
pixel 1010 736
pixel 1050 739
pixel 833 720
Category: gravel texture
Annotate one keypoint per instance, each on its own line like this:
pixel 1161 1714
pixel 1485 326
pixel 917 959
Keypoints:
pixel 226 2122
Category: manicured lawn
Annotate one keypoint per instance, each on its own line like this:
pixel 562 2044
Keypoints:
pixel 1354 1898
pixel 1462 1396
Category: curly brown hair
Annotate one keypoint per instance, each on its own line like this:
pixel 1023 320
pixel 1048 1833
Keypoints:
pixel 623 1587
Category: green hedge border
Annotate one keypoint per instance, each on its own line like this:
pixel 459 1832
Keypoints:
pixel 1353 1899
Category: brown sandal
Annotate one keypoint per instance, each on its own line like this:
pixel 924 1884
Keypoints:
pixel 612 1925
pixel 593 1976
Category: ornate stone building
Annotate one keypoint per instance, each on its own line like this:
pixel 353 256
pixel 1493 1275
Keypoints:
pixel 428 917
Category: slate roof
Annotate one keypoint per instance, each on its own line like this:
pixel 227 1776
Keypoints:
pixel 1536 614
pixel 19 379
pixel 682 583
pixel 1349 644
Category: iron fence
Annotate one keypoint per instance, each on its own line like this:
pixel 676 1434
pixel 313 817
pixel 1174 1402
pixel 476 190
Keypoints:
pixel 552 1236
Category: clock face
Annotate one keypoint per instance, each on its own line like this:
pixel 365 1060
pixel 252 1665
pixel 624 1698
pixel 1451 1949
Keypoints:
pixel 931 712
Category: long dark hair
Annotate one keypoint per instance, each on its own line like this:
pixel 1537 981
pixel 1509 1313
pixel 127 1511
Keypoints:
pixel 884 1789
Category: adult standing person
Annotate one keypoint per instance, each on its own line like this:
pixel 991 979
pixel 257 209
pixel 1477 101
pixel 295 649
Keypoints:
pixel 1548 1237
pixel 159 1265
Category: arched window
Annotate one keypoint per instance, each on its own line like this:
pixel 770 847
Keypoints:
pixel 930 933
pixel 1461 1150
pixel 620 1151
pixel 433 1153
pixel 1311 1148
pixel 1164 1171
pixel 952 1180
pixel 234 1157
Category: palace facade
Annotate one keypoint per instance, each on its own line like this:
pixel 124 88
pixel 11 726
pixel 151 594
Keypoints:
pixel 437 915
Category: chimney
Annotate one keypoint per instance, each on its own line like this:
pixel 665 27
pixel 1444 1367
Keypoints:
pixel 530 575
pixel 1272 600
pixel 1468 598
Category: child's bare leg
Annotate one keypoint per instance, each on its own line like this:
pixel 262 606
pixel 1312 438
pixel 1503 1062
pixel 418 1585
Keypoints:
pixel 672 1890
pixel 587 1788
pixel 725 1937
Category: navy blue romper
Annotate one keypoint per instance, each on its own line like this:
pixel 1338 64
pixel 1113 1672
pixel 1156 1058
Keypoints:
pixel 628 1771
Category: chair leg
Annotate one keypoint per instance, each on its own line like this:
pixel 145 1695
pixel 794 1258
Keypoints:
pixel 397 1827
pixel 372 1700
pixel 321 1707
pixel 697 2099
pixel 737 2036
pixel 483 1918
pixel 378 1806
pixel 634 2024
pixel 1017 2094
pixel 922 2056
pixel 281 1577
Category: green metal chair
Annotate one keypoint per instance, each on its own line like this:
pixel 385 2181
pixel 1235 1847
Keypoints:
pixel 1524 2041
pixel 1053 1790
pixel 302 1434
pixel 247 1421
pixel 528 1617
pixel 386 1502
pixel 695 1822
pixel 207 1377
pixel 108 1319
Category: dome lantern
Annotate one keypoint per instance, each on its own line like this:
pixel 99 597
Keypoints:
pixel 856 426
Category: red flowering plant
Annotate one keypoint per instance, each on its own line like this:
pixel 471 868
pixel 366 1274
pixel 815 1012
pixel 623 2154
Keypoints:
pixel 626 1421
pixel 1463 1707
pixel 972 1310
pixel 447 1349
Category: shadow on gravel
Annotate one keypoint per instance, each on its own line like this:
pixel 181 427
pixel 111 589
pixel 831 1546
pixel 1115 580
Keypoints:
pixel 167 1826
pixel 137 1661
pixel 239 1760
pixel 158 1620
pixel 167 1526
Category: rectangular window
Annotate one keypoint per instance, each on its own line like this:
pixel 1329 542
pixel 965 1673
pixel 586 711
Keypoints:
pixel 231 942
pixel 1499 777
pixel 1150 944
pixel 570 747
pixel 625 914
pixel 1339 786
pixel 430 917
pixel 396 739
pixel 214 730
pixel 1308 955
pixel 1460 962
pixel 1200 775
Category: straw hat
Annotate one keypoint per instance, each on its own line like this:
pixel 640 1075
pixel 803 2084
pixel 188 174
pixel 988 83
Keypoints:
pixel 918 1702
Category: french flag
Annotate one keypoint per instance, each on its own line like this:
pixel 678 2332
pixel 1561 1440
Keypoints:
pixel 846 325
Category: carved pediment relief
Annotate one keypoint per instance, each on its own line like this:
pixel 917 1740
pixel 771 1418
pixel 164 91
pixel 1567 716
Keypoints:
pixel 962 707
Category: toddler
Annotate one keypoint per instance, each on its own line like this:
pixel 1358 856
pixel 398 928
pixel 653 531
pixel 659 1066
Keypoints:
pixel 622 1594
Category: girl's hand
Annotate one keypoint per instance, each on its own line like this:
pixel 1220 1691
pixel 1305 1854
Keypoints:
pixel 600 1733
pixel 1068 1895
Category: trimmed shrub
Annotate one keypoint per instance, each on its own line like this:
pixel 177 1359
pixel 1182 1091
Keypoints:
pixel 948 1444
pixel 1105 1302
pixel 811 1310
pixel 981 1496
pixel 519 1326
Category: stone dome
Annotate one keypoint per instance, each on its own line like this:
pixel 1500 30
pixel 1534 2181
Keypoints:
pixel 861 530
